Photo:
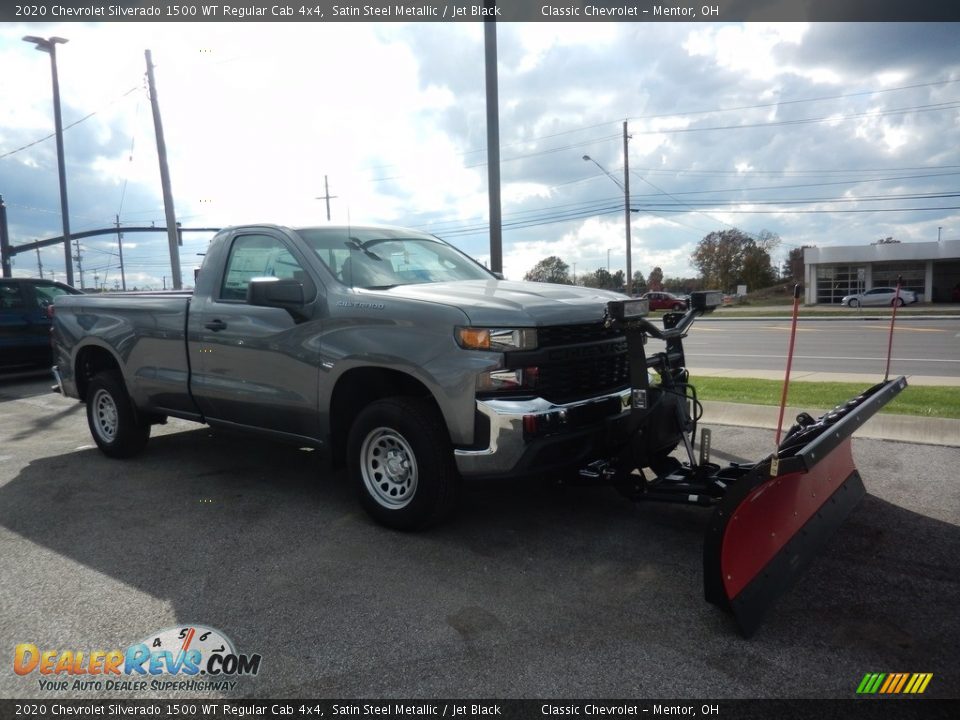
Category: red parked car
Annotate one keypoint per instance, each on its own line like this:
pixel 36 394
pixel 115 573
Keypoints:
pixel 665 301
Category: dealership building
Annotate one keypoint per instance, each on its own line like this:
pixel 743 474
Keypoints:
pixel 930 269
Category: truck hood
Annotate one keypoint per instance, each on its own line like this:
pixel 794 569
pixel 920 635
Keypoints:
pixel 513 304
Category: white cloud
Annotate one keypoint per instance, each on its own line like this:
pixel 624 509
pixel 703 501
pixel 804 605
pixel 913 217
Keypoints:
pixel 748 48
pixel 256 115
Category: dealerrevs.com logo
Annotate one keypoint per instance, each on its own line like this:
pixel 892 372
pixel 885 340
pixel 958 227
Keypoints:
pixel 182 658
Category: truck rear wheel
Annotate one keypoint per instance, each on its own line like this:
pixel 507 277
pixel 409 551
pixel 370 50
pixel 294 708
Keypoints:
pixel 113 421
pixel 400 459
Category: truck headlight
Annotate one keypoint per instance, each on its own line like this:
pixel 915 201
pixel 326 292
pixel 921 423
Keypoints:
pixel 497 339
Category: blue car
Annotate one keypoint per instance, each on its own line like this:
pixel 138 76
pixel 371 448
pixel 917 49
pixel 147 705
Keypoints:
pixel 25 321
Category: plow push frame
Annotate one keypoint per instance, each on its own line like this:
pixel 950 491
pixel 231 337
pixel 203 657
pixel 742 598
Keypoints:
pixel 770 518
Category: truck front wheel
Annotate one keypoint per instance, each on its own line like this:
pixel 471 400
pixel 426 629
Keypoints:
pixel 400 459
pixel 113 421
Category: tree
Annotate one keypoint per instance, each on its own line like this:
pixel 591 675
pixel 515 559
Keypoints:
pixel 682 286
pixel 599 278
pixel 730 256
pixel 639 283
pixel 767 240
pixel 655 281
pixel 617 281
pixel 793 267
pixel 757 272
pixel 550 270
pixel 885 241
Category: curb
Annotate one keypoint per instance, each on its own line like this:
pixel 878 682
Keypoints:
pixel 900 428
pixel 817 376
pixel 848 318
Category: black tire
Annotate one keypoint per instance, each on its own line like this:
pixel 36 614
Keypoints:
pixel 113 421
pixel 678 306
pixel 897 301
pixel 853 302
pixel 421 485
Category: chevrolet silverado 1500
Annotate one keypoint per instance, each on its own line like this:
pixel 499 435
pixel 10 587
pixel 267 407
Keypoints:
pixel 417 367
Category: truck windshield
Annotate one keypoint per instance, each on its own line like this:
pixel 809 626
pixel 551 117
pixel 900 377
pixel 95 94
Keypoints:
pixel 378 258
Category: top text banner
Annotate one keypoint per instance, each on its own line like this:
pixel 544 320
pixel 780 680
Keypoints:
pixel 479 10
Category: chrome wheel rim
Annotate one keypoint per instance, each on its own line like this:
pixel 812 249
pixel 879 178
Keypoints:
pixel 389 468
pixel 105 419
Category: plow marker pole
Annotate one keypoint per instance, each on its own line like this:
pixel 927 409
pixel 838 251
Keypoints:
pixel 774 464
pixel 893 319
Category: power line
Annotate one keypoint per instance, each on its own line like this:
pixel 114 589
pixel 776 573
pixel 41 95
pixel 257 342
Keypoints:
pixel 813 200
pixel 685 113
pixel 67 127
pixel 951 105
pixel 790 173
pixel 795 102
pixel 827 212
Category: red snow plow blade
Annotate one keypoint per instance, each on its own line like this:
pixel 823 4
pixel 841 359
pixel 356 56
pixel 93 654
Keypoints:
pixel 770 518
pixel 767 528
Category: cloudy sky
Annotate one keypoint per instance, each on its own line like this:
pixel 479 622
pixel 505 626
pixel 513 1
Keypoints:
pixel 826 134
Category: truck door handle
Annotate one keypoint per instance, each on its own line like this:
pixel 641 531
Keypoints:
pixel 216 325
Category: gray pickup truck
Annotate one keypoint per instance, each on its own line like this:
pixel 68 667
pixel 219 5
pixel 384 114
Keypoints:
pixel 399 354
pixel 418 368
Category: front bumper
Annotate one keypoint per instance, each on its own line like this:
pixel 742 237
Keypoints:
pixel 533 435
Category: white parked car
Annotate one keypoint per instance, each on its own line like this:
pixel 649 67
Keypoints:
pixel 880 296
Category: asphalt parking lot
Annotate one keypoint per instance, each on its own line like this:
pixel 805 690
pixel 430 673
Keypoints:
pixel 529 592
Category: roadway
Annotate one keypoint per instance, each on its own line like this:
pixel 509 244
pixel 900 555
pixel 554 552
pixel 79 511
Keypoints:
pixel 921 346
pixel 532 591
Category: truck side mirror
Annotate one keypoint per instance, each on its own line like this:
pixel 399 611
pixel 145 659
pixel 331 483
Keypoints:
pixel 276 292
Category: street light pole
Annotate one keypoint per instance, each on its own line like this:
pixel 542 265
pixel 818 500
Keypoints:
pixel 49 45
pixel 625 187
pixel 626 208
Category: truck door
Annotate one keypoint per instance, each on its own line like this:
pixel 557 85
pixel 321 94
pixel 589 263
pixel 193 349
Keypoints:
pixel 255 366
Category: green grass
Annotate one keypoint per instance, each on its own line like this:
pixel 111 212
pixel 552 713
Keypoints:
pixel 921 401
pixel 787 312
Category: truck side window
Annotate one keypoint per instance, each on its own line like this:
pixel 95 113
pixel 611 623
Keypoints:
pixel 257 256
pixel 46 294
pixel 11 297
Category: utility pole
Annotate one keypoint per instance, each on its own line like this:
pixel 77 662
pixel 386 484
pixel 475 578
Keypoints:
pixel 79 259
pixel 49 46
pixel 493 136
pixel 326 195
pixel 7 270
pixel 164 178
pixel 626 208
pixel 39 264
pixel 123 275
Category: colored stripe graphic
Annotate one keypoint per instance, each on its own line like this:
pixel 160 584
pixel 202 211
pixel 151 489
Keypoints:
pixel 862 687
pixel 894 683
